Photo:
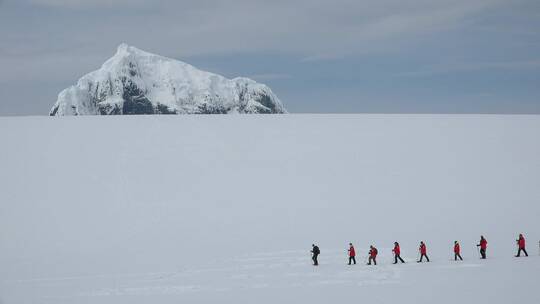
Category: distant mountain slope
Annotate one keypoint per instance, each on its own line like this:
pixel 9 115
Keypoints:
pixel 137 82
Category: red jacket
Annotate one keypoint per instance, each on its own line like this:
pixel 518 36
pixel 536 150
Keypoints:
pixel 457 249
pixel 352 253
pixel 423 249
pixel 373 252
pixel 396 250
pixel 521 242
pixel 483 244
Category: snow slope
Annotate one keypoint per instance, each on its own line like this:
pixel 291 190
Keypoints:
pixel 206 209
pixel 138 82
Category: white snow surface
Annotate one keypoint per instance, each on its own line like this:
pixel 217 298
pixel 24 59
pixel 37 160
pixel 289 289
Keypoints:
pixel 224 208
pixel 167 84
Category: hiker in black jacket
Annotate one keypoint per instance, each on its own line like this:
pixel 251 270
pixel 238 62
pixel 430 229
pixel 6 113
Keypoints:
pixel 316 251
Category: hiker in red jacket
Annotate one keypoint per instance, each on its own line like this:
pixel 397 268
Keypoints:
pixel 397 253
pixel 483 246
pixel 423 252
pixel 521 245
pixel 352 254
pixel 372 255
pixel 457 251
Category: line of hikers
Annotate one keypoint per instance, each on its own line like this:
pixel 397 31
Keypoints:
pixel 372 254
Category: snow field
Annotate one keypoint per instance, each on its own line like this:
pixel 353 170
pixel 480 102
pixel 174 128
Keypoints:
pixel 200 209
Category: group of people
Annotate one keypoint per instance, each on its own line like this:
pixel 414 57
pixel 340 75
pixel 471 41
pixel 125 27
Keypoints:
pixel 422 249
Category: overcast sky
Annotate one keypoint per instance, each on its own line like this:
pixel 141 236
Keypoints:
pixel 393 56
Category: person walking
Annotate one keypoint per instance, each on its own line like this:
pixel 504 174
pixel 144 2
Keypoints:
pixel 372 255
pixel 457 251
pixel 521 246
pixel 483 246
pixel 423 252
pixel 397 253
pixel 352 254
pixel 315 251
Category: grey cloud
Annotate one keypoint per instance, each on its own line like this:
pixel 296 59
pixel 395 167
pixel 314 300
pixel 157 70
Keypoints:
pixel 473 66
pixel 315 29
pixel 312 29
pixel 82 4
pixel 270 76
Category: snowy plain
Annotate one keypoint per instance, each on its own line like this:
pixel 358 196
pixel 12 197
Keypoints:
pixel 206 209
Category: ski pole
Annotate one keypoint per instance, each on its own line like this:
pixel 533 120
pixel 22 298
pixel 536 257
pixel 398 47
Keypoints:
pixel 478 250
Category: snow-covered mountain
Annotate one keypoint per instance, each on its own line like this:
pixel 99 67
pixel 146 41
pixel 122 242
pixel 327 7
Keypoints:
pixel 138 82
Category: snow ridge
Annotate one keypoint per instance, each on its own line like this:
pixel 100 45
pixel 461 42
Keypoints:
pixel 137 82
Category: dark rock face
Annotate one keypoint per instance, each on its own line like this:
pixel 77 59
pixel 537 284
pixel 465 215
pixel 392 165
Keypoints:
pixel 267 102
pixel 135 102
pixel 109 109
pixel 163 109
pixel 211 109
pixel 54 111
pixel 137 107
